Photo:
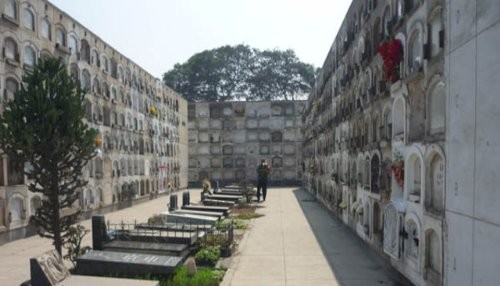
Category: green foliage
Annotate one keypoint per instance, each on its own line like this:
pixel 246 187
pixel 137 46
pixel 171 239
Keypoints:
pixel 42 126
pixel 248 215
pixel 213 240
pixel 156 219
pixel 237 224
pixel 207 256
pixel 203 277
pixel 74 241
pixel 240 72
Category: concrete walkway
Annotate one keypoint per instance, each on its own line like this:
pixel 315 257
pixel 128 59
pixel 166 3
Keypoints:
pixel 298 242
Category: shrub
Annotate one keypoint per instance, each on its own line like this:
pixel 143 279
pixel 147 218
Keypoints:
pixel 156 219
pixel 210 240
pixel 73 245
pixel 207 256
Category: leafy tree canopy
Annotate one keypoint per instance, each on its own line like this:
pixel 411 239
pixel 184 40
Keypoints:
pixel 241 73
pixel 42 126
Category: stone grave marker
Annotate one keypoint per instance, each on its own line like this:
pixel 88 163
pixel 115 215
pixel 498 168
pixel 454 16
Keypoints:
pixel 48 269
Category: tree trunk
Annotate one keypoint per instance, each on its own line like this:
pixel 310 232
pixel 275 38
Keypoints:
pixel 56 226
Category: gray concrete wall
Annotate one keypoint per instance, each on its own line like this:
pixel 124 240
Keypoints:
pixel 472 254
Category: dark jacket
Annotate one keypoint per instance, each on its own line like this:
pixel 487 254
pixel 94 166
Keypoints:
pixel 263 172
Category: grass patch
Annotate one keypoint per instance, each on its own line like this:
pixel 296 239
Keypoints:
pixel 203 277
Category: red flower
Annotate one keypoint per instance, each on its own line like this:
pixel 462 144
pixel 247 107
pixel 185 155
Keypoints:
pixel 392 54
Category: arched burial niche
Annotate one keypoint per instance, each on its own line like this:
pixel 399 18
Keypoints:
pixel 398 119
pixel 392 228
pixel 414 178
pixel 436 106
pixel 435 188
pixel 375 174
pixel 433 258
pixel 412 241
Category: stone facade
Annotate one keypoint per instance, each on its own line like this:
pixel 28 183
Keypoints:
pixel 142 123
pixel 227 140
pixel 374 137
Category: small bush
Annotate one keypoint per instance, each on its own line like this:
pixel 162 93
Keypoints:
pixel 210 240
pixel 207 256
pixel 156 219
pixel 73 245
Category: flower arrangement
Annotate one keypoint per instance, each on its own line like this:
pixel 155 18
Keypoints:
pixel 98 141
pixel 153 110
pixel 206 186
pixel 398 169
pixel 392 54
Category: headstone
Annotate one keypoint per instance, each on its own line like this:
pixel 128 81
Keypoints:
pixel 191 266
pixel 99 232
pixel 48 269
pixel 173 203
pixel 185 198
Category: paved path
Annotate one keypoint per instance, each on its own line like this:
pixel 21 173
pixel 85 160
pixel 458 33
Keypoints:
pixel 298 242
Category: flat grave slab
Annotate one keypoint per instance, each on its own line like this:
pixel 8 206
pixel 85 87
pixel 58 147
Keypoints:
pixel 171 249
pixel 211 213
pixel 78 280
pixel 49 269
pixel 103 263
pixel 189 218
pixel 229 192
pixel 174 227
pixel 156 235
pixel 231 198
pixel 233 187
pixel 224 210
pixel 211 202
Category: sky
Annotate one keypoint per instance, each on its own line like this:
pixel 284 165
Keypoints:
pixel 157 34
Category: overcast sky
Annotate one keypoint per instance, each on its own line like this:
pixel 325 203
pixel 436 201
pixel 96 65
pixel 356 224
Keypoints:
pixel 156 34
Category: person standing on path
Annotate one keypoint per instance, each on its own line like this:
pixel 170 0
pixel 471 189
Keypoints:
pixel 262 173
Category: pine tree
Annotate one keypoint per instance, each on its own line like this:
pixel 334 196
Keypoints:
pixel 42 126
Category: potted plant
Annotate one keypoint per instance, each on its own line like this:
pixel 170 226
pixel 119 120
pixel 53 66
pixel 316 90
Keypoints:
pixel 225 248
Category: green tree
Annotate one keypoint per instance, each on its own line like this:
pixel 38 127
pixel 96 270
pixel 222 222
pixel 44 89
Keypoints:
pixel 42 126
pixel 240 72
